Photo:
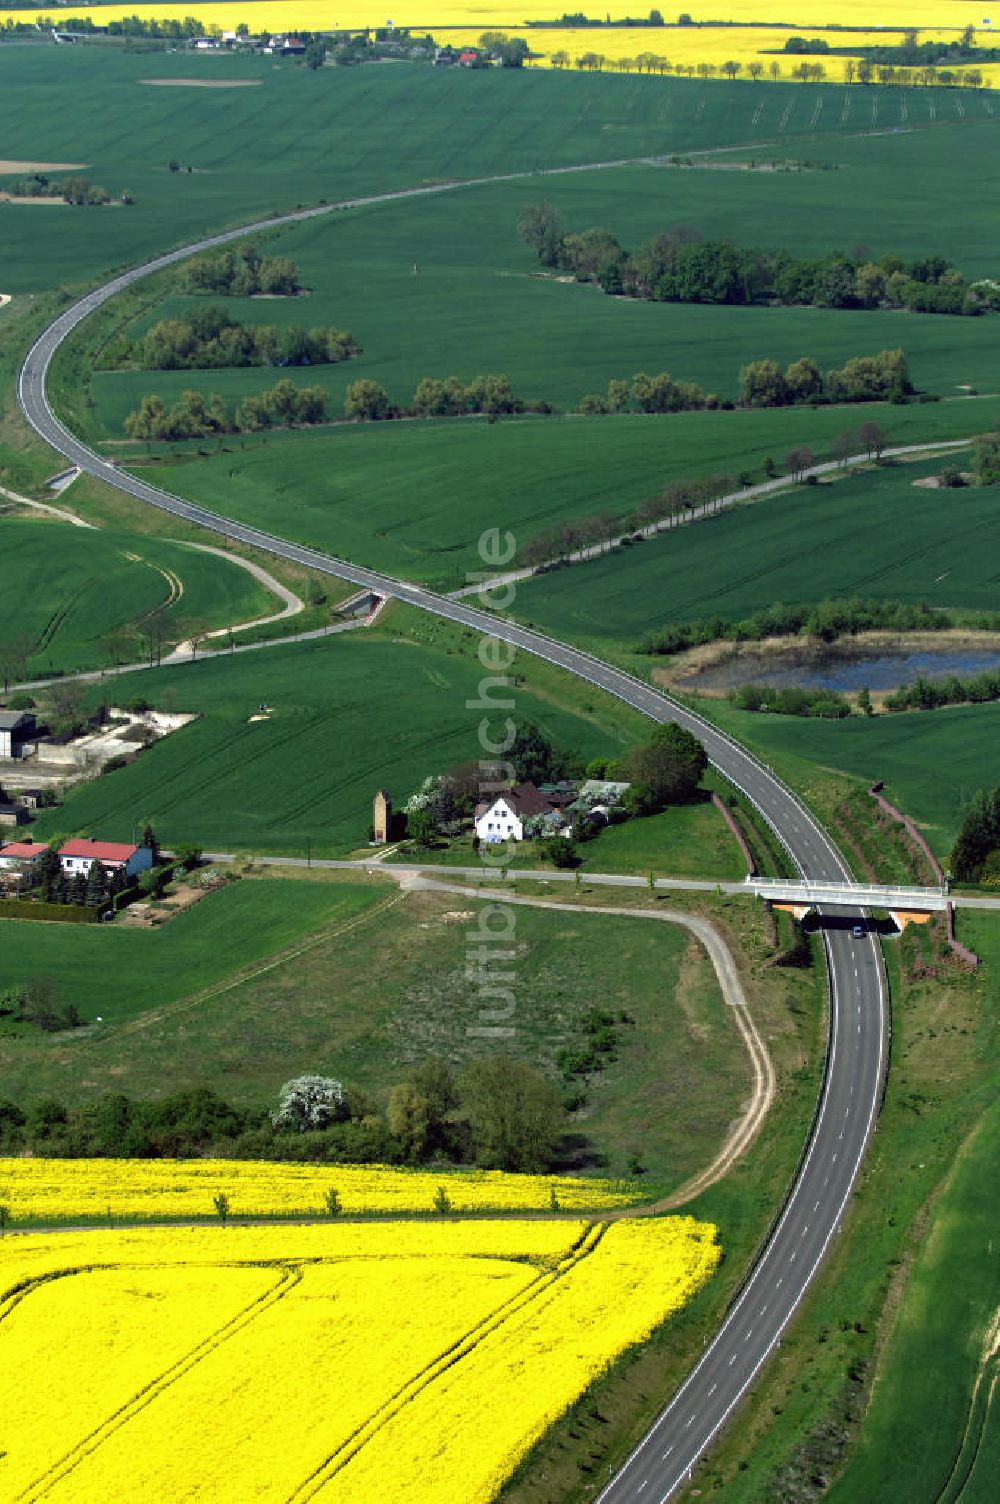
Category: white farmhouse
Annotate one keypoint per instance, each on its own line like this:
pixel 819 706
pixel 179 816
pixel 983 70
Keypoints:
pixel 504 818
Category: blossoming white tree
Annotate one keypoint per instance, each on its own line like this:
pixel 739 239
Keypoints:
pixel 309 1102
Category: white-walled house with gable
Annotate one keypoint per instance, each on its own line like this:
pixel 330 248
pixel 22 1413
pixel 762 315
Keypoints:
pixel 504 818
pixel 76 857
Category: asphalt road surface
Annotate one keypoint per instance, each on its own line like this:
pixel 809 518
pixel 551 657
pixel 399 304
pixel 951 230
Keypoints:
pixel 857 1055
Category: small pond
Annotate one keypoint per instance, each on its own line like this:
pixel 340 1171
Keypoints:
pixel 845 670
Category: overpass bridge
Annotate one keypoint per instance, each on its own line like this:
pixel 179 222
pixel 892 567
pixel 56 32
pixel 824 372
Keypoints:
pixel 848 895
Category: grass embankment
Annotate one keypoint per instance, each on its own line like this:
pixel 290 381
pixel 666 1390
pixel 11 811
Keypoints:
pixel 926 1409
pixel 575 1458
pixel 75 594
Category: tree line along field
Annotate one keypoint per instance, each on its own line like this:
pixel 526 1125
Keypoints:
pixel 343 717
pixel 413 498
pixel 873 533
pixel 367 129
pixel 478 302
pixel 71 594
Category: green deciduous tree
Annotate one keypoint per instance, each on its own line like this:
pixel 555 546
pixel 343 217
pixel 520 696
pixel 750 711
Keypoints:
pixel 366 401
pixel 978 836
pixel 986 459
pixel 669 766
pixel 514 1114
pixel 762 384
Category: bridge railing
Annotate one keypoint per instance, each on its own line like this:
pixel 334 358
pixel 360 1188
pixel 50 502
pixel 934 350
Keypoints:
pixel 879 894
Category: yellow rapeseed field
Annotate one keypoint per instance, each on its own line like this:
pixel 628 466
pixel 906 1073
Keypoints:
pixel 409 1361
pixel 680 46
pixel 425 15
pixel 63 1190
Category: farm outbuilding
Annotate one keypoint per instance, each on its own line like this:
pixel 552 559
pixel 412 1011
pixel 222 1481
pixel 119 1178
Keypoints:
pixel 18 731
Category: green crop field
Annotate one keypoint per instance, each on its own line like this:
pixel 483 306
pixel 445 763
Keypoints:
pixel 120 973
pixel 479 304
pixel 413 499
pixel 329 134
pixel 344 716
pixel 874 533
pixel 77 593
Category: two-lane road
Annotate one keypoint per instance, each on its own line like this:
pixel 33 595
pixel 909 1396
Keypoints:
pixel 858 996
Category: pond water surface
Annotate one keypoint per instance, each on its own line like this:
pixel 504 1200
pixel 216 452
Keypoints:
pixel 846 671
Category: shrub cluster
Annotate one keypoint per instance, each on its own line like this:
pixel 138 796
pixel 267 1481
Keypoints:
pixel 435 397
pixel 35 1003
pixel 73 190
pixel 986 452
pixel 929 694
pixel 448 398
pixel 827 621
pixel 210 338
pixel 824 703
pixel 867 378
pixel 242 273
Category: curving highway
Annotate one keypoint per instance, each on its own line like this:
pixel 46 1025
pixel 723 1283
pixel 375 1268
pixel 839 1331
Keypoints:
pixel 857 1054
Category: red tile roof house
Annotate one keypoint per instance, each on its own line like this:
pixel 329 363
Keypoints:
pixel 77 856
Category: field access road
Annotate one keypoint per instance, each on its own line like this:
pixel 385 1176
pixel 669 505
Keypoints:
pixel 856 1057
